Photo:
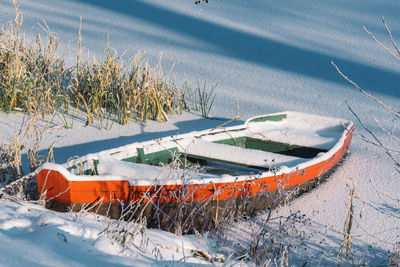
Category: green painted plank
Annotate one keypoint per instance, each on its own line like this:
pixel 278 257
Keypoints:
pixel 283 148
pixel 156 158
pixel 267 146
pixel 163 156
pixel 131 159
pixel 270 118
pixel 239 141
pixel 141 158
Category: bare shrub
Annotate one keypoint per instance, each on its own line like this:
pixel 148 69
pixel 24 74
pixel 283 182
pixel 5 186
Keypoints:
pixel 267 241
pixel 389 145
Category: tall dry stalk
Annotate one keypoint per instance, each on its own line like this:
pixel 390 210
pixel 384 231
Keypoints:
pixel 11 154
pixel 348 223
pixel 11 163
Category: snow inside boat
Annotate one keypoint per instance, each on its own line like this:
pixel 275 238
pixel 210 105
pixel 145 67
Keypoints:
pixel 242 170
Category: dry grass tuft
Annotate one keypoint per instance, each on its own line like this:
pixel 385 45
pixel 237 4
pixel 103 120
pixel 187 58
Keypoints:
pixel 31 75
pixel 137 92
pixel 33 78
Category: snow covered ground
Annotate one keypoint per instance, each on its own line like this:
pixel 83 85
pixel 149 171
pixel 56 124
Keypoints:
pixel 274 55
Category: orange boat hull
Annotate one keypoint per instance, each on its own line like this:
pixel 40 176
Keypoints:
pixel 109 197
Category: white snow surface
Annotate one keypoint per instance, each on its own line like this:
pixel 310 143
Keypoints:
pixel 111 166
pixel 34 236
pixel 136 173
pixel 301 129
pixel 274 55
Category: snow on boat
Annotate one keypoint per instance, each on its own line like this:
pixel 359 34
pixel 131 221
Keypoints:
pixel 243 169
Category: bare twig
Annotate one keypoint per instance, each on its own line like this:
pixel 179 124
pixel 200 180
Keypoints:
pixel 387 107
pixel 373 206
pixel 382 193
pixel 202 254
pixel 390 134
pixel 366 140
pixel 236 118
pixel 390 35
pixel 379 43
pixel 374 137
pixel 376 235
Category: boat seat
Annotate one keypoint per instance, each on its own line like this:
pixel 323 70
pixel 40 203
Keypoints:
pixel 200 149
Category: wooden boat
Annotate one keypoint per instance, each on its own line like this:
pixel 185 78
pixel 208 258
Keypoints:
pixel 244 169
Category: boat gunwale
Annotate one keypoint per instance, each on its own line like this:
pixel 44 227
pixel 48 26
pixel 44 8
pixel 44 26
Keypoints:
pixel 283 170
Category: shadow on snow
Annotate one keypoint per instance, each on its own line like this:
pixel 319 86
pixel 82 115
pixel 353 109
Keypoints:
pixel 258 50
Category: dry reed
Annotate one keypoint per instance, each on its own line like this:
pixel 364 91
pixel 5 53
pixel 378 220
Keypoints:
pixel 348 223
pixel 31 75
pixel 137 92
pixel 33 78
